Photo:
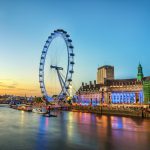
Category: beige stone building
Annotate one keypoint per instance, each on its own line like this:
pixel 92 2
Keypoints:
pixel 107 89
pixel 105 72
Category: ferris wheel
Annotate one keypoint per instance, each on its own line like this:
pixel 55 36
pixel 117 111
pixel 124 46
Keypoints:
pixel 63 71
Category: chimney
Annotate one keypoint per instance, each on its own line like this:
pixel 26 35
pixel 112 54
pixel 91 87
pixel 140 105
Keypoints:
pixel 90 84
pixel 82 84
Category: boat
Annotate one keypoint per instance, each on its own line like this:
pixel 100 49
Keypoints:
pixel 49 115
pixel 24 107
pixel 39 110
pixel 13 106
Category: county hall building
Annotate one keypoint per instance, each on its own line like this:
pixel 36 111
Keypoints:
pixel 108 90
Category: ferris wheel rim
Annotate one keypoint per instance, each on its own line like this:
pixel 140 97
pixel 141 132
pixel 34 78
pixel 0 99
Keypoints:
pixel 70 64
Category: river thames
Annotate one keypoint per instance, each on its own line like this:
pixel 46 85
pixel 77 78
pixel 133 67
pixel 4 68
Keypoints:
pixel 21 130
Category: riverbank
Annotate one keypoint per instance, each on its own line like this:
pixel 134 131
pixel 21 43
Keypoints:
pixel 4 105
pixel 139 111
pixel 132 111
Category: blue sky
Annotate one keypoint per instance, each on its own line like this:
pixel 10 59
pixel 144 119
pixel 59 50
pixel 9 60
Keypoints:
pixel 104 32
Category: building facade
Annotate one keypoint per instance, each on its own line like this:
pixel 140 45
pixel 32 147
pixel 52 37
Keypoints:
pixel 109 90
pixel 146 90
pixel 105 72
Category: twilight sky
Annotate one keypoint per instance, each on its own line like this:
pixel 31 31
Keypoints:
pixel 104 32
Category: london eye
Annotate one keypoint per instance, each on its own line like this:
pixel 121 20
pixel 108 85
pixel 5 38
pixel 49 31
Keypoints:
pixel 56 65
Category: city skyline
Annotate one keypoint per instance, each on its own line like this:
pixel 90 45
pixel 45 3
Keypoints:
pixel 103 33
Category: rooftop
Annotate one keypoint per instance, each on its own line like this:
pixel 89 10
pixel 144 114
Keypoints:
pixel 106 66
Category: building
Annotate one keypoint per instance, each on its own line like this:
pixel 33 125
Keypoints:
pixel 110 90
pixel 146 90
pixel 105 72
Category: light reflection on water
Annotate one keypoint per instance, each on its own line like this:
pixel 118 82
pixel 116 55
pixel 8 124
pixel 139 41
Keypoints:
pixel 22 118
pixel 71 130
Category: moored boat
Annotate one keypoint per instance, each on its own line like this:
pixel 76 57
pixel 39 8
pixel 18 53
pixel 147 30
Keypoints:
pixel 24 107
pixel 39 110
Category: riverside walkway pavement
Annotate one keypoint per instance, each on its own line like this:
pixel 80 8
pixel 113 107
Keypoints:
pixel 122 110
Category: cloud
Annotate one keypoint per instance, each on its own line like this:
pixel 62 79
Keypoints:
pixel 22 89
pixel 8 84
pixel 12 87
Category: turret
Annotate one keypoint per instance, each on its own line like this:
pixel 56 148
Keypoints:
pixel 140 73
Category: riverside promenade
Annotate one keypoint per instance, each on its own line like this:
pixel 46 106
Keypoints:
pixel 131 110
pixel 142 111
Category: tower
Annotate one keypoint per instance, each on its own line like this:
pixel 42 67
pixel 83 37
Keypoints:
pixel 140 73
pixel 105 72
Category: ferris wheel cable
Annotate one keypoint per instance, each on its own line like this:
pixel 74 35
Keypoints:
pixel 57 53
pixel 74 84
pixel 53 59
pixel 57 62
pixel 52 83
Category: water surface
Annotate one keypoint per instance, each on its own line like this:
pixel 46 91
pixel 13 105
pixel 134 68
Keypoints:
pixel 21 130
